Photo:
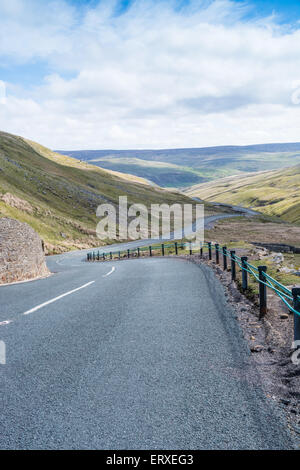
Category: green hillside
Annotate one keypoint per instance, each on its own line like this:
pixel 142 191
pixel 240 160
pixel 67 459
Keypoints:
pixel 58 195
pixel 186 167
pixel 167 175
pixel 272 192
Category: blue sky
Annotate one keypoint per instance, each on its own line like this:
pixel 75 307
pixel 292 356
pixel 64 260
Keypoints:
pixel 150 74
pixel 287 10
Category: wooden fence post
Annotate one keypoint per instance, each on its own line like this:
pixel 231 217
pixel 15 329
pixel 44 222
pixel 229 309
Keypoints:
pixel 296 297
pixel 244 273
pixel 233 265
pixel 224 249
pixel 209 251
pixel 262 291
pixel 217 253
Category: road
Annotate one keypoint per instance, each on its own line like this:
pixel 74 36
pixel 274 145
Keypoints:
pixel 177 235
pixel 132 354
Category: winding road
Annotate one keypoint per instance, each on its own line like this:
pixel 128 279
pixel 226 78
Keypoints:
pixel 136 354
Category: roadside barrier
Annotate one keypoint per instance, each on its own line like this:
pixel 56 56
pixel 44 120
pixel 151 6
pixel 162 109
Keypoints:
pixel 290 297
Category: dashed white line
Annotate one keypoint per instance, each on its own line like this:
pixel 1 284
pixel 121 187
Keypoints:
pixel 110 272
pixel 34 309
pixel 38 307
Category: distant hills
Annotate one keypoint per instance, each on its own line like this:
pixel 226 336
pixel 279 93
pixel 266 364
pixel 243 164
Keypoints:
pixel 181 168
pixel 275 192
pixel 58 195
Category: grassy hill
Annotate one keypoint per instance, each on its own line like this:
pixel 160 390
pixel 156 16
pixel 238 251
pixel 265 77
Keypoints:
pixel 58 195
pixel 185 167
pixel 163 174
pixel 274 192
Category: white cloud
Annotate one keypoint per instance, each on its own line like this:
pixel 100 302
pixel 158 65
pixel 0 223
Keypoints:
pixel 153 77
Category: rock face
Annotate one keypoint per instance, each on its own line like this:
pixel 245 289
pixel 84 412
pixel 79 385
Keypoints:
pixel 21 252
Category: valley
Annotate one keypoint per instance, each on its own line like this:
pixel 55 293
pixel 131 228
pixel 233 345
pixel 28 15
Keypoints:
pixel 182 168
pixel 58 195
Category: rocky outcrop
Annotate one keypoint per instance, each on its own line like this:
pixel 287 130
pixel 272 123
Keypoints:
pixel 17 203
pixel 21 252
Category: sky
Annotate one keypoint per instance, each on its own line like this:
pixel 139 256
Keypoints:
pixel 136 74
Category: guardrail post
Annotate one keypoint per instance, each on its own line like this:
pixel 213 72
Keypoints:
pixel 224 249
pixel 296 297
pixel 191 249
pixel 217 253
pixel 244 273
pixel 150 250
pixel 138 252
pixel 128 253
pixel 98 256
pixel 262 291
pixel 233 265
pixel 209 251
pixel 94 256
pixel 162 249
pixel 176 248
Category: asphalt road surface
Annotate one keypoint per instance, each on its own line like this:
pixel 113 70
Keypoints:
pixel 132 354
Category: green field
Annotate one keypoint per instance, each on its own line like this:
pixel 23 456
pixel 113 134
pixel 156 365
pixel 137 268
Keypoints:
pixel 167 175
pixel 275 193
pixel 186 167
pixel 58 195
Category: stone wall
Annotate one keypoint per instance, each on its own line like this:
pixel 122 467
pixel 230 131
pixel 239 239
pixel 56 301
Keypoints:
pixel 21 252
pixel 278 247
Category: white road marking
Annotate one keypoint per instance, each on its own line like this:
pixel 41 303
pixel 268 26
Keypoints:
pixel 57 298
pixel 110 272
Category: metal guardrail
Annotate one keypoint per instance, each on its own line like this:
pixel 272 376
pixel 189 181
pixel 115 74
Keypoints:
pixel 290 297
